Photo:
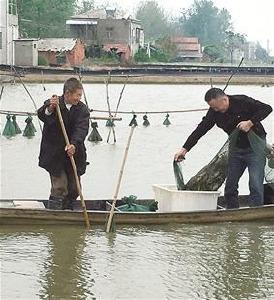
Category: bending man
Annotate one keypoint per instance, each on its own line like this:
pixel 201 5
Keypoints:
pixel 228 113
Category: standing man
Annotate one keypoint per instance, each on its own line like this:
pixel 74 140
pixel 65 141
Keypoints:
pixel 54 154
pixel 228 113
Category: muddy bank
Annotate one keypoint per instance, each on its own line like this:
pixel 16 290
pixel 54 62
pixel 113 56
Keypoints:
pixel 149 79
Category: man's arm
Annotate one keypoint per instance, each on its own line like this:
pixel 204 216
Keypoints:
pixel 207 123
pixel 46 113
pixel 259 111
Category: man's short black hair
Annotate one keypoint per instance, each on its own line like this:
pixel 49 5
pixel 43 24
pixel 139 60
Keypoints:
pixel 213 93
pixel 72 85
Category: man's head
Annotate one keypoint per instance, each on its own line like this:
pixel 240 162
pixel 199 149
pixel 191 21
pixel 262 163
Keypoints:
pixel 72 91
pixel 217 100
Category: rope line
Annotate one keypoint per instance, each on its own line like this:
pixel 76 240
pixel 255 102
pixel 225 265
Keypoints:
pixel 26 113
pixel 150 112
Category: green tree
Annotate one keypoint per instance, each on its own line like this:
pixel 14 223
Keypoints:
pixel 261 54
pixel 233 42
pixel 85 6
pixel 206 21
pixel 154 20
pixel 213 53
pixel 44 18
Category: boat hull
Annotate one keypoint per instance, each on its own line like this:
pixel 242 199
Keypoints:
pixel 26 216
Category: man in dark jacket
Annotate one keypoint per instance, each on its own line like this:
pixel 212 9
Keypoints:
pixel 228 113
pixel 54 154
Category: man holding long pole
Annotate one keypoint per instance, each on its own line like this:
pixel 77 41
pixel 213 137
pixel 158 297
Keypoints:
pixel 55 154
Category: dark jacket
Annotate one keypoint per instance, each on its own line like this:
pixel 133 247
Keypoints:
pixel 52 156
pixel 241 108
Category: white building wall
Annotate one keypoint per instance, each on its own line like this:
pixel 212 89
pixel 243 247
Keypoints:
pixel 135 42
pixel 9 31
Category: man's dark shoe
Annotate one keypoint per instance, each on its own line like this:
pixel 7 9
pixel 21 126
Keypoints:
pixel 55 203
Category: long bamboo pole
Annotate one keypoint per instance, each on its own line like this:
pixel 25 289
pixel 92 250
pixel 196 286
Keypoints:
pixel 74 168
pixel 119 181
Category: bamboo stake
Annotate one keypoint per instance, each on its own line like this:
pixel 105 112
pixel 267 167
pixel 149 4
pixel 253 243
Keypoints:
pixel 110 115
pixel 74 168
pixel 42 80
pixel 24 86
pixel 85 97
pixel 1 93
pixel 115 114
pixel 119 181
pixel 233 73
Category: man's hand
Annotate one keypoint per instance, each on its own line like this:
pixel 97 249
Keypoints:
pixel 180 155
pixel 70 149
pixel 245 125
pixel 54 100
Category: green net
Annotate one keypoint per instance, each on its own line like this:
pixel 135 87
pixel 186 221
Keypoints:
pixel 212 176
pixel 177 169
pixel 264 151
pixel 134 207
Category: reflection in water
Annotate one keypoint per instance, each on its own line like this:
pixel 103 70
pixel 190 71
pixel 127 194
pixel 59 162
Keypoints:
pixel 242 262
pixel 224 261
pixel 65 277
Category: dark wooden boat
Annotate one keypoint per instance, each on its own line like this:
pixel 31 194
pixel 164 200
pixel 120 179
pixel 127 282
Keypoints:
pixel 98 215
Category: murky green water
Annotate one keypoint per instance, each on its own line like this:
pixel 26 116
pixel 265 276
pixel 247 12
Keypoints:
pixel 225 261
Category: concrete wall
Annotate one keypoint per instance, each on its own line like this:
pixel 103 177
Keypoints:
pixel 26 53
pixel 113 31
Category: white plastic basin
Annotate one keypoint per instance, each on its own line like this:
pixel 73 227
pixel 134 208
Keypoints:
pixel 170 199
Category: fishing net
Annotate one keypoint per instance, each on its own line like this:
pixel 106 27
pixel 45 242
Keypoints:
pixel 212 176
pixel 131 206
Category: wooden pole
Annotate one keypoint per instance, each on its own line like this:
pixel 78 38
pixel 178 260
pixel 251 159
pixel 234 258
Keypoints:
pixel 24 86
pixel 74 168
pixel 118 103
pixel 1 92
pixel 119 181
pixel 233 73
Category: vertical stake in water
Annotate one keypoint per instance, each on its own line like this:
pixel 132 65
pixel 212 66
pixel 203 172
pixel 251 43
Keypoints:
pixel 110 218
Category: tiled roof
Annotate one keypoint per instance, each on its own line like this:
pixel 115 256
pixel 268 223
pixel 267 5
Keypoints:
pixel 56 44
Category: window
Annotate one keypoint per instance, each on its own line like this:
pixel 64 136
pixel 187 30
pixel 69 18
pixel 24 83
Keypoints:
pixel 0 40
pixel 138 34
pixel 109 32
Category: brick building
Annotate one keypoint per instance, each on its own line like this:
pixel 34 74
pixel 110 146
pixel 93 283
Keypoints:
pixel 62 51
pixel 108 29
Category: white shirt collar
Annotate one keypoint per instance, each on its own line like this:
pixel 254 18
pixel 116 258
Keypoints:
pixel 68 106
